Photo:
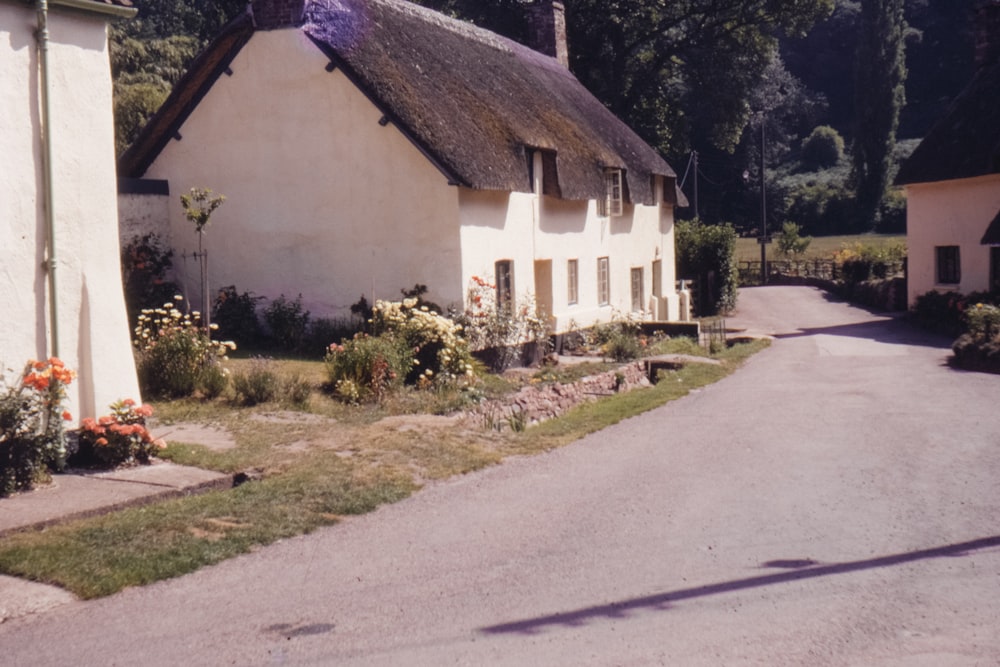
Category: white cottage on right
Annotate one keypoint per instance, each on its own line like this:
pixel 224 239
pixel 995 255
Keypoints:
pixel 952 183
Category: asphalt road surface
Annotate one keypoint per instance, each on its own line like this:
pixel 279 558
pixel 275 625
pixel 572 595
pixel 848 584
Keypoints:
pixel 835 502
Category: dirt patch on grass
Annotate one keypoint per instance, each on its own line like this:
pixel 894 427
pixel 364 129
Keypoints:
pixel 212 437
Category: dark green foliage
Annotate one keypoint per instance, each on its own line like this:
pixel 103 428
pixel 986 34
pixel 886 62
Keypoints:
pixel 287 323
pixel 145 263
pixel 790 241
pixel 235 314
pixel 324 331
pixel 707 253
pixel 880 75
pixel 944 312
pixel 824 147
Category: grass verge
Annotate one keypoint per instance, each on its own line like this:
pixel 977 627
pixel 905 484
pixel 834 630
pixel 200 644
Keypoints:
pixel 349 469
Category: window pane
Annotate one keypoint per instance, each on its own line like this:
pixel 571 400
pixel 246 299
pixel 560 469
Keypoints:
pixel 637 289
pixel 572 281
pixel 949 268
pixel 603 282
pixel 505 284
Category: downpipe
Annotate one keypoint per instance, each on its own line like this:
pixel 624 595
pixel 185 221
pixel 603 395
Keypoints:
pixel 51 262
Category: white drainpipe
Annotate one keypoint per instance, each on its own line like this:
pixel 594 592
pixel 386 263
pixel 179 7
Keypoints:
pixel 47 180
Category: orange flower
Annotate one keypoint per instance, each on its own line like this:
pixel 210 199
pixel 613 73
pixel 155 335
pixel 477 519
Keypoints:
pixel 128 402
pixel 67 415
pixel 55 362
pixel 101 442
pixel 144 410
pixel 38 365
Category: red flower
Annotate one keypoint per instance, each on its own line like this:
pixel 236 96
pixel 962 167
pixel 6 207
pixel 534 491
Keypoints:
pixel 67 415
pixel 144 410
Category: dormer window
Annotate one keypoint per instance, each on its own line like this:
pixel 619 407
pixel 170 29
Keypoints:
pixel 614 195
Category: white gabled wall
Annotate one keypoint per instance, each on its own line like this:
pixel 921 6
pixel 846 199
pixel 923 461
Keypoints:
pixel 322 200
pixel 93 327
pixel 949 213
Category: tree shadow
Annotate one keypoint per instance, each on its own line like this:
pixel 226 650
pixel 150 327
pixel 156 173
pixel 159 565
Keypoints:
pixel 894 331
pixel 799 569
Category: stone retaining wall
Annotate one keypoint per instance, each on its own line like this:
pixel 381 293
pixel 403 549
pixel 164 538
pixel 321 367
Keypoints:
pixel 539 402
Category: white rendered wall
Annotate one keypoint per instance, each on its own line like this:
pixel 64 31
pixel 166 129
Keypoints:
pixel 320 198
pixel 499 225
pixel 93 328
pixel 949 213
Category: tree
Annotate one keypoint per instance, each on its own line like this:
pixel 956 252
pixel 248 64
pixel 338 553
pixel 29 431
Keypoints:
pixel 879 94
pixel 823 148
pixel 677 72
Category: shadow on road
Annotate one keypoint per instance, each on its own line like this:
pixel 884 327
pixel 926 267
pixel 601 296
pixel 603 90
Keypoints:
pixel 801 571
pixel 894 331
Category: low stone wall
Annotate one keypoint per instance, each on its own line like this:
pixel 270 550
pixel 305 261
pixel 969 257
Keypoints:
pixel 539 402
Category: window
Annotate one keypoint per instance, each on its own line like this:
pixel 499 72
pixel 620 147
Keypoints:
pixel 603 282
pixel 572 282
pixel 657 278
pixel 611 205
pixel 637 289
pixel 505 284
pixel 949 266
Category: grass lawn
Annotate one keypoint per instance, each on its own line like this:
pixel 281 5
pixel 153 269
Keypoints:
pixel 821 247
pixel 316 464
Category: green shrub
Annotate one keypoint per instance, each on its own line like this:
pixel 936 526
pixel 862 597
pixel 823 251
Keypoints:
pixel 175 356
pixel 32 434
pixel 823 148
pixel 145 263
pixel 259 383
pixel 983 321
pixel 287 323
pixel 440 351
pixel 708 253
pixel 235 314
pixel 119 438
pixel 790 242
pixel 861 262
pixel 296 390
pixel 945 312
pixel 365 368
pixel 497 332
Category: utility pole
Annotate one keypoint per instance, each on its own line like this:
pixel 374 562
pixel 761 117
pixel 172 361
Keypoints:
pixel 694 157
pixel 762 239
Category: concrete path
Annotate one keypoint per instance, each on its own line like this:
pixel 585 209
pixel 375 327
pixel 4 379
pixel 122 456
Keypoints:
pixel 833 503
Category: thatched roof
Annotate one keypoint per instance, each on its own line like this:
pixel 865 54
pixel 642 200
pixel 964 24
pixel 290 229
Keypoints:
pixel 475 103
pixel 966 142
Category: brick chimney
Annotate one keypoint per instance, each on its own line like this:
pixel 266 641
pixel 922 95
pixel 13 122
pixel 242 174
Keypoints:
pixel 272 14
pixel 987 30
pixel 547 29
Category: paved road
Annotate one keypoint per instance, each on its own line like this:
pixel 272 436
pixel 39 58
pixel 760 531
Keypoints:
pixel 836 502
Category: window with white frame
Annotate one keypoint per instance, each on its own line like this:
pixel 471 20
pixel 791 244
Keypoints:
pixel 949 265
pixel 572 282
pixel 637 288
pixel 614 194
pixel 505 284
pixel 603 282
